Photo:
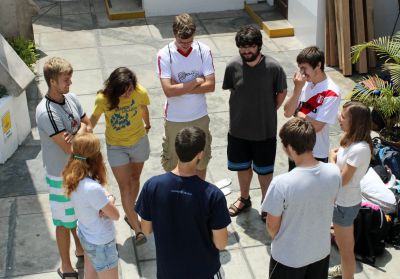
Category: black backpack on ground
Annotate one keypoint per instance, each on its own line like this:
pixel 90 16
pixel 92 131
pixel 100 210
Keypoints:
pixel 370 231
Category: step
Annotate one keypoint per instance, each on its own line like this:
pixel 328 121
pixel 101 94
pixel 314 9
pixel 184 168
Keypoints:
pixel 124 9
pixel 274 28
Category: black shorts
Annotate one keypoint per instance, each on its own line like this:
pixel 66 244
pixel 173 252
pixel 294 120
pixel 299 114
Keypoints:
pixel 244 154
pixel 316 270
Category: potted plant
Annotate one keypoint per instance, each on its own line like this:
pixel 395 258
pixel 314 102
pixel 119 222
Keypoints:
pixel 381 91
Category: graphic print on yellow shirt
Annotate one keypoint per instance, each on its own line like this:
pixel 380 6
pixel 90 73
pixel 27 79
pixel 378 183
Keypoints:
pixel 124 124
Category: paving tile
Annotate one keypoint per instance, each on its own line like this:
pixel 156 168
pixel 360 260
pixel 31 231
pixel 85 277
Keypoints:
pixel 67 40
pixel 48 7
pixel 149 269
pixel 77 22
pixel 74 56
pixel 33 204
pixel 4 221
pixel 87 81
pixel 146 74
pixel 346 85
pixel 99 7
pixel 35 247
pixel 46 23
pixel 125 35
pixel 226 44
pixel 104 22
pixel 288 43
pixel 224 14
pixel 218 101
pixel 258 258
pixel 225 25
pixel 234 265
pixel 75 7
pixel 5 206
pixel 117 56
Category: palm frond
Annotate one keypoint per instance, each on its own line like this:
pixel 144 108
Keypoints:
pixel 378 93
pixel 394 71
pixel 387 48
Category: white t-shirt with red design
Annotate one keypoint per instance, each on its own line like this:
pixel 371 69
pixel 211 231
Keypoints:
pixel 182 68
pixel 321 102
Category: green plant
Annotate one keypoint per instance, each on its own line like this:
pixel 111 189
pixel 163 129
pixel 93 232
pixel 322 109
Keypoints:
pixel 381 91
pixel 26 50
pixel 3 91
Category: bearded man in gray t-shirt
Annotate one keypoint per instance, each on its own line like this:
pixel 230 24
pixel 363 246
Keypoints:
pixel 258 87
pixel 300 208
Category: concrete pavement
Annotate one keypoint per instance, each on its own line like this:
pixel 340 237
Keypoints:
pixel 80 32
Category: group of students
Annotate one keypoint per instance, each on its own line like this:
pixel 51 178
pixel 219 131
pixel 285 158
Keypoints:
pixel 188 215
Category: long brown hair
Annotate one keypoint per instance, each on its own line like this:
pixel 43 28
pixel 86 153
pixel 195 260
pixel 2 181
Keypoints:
pixel 85 161
pixel 360 124
pixel 117 83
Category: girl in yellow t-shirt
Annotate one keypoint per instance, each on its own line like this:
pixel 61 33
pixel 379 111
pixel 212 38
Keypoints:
pixel 124 104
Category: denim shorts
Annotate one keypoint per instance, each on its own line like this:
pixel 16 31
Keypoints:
pixel 103 257
pixel 344 216
pixel 123 155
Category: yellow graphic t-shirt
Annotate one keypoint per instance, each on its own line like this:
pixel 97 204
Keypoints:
pixel 124 124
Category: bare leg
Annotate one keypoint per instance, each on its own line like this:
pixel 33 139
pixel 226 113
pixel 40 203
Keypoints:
pixel 128 178
pixel 78 246
pixel 244 178
pixel 202 173
pixel 109 274
pixel 63 243
pixel 264 181
pixel 345 241
pixel 89 271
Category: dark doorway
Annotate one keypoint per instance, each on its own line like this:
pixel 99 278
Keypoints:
pixel 282 6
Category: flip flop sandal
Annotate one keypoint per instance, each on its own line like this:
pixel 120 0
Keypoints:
pixel 66 275
pixel 235 211
pixel 140 238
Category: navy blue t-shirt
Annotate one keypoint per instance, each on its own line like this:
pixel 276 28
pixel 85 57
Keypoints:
pixel 183 211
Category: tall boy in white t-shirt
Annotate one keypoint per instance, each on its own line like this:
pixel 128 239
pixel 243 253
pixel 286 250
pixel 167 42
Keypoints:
pixel 315 97
pixel 186 71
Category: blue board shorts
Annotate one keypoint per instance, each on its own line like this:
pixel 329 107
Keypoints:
pixel 103 257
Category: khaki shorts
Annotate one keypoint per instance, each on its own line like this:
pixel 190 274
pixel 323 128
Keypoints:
pixel 169 159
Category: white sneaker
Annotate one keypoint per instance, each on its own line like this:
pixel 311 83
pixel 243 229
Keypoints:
pixel 335 271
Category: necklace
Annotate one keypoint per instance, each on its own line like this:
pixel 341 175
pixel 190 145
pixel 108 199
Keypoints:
pixel 70 115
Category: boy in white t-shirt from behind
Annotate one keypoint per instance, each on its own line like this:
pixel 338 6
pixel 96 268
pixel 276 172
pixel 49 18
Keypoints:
pixel 315 97
pixel 84 178
pixel 300 207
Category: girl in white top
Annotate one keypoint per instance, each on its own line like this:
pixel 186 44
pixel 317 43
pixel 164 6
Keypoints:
pixel 84 177
pixel 353 158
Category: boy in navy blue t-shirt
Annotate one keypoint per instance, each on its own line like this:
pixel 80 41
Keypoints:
pixel 188 215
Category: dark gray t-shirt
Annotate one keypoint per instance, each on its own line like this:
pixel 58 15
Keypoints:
pixel 252 108
pixel 53 118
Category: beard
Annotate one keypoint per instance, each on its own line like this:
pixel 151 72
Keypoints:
pixel 250 58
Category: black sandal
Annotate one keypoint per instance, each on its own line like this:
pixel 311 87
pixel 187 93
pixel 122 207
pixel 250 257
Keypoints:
pixel 66 275
pixel 140 238
pixel 235 211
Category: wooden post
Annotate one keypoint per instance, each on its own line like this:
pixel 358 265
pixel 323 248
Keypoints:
pixel 358 18
pixel 369 23
pixel 345 37
pixel 338 21
pixel 333 46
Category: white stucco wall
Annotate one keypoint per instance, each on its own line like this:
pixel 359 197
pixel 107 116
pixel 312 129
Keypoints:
pixel 308 20
pixel 173 7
